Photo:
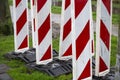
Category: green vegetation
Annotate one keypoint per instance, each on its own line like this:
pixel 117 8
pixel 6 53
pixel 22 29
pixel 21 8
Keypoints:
pixel 56 44
pixel 56 9
pixel 18 70
pixel 113 50
pixel 115 18
pixel 10 2
pixel 94 15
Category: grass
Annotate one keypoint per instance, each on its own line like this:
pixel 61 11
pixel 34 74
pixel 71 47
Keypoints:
pixel 18 70
pixel 113 50
pixel 56 9
pixel 115 18
pixel 10 2
pixel 94 16
pixel 56 44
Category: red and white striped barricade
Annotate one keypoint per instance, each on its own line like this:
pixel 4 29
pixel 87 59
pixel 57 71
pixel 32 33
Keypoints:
pixel 44 32
pixel 20 8
pixel 33 14
pixel 103 37
pixel 65 51
pixel 82 57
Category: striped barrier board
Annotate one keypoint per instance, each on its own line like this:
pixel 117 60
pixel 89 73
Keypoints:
pixel 103 37
pixel 65 33
pixel 82 57
pixel 43 32
pixel 33 14
pixel 20 25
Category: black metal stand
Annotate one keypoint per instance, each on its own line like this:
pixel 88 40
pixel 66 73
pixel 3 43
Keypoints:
pixel 56 67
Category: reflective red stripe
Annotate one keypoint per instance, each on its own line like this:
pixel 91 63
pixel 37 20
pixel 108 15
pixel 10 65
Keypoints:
pixel 104 35
pixel 82 40
pixel 47 54
pixel 33 1
pixel 102 65
pixel 24 43
pixel 67 3
pixel 40 4
pixel 43 30
pixel 17 2
pixel 79 6
pixel 21 21
pixel 67 29
pixel 107 4
pixel 68 51
pixel 86 72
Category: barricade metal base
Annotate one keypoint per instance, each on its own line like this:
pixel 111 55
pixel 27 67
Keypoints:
pixel 12 55
pixel 28 56
pixel 109 76
pixel 55 68
pixel 55 53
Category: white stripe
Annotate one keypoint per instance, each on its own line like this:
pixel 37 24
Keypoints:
pixel 44 45
pixel 67 14
pixel 43 13
pixel 82 20
pixel 47 41
pixel 105 17
pixel 61 29
pixel 65 44
pixel 33 14
pixel 20 9
pixel 101 48
pixel 24 31
pixel 22 34
pixel 98 37
pixel 34 11
pixel 91 29
pixel 73 39
pixel 85 56
pixel 104 53
pixel 83 59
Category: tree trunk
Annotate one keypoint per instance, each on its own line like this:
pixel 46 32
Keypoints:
pixel 5 18
pixel 2 10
